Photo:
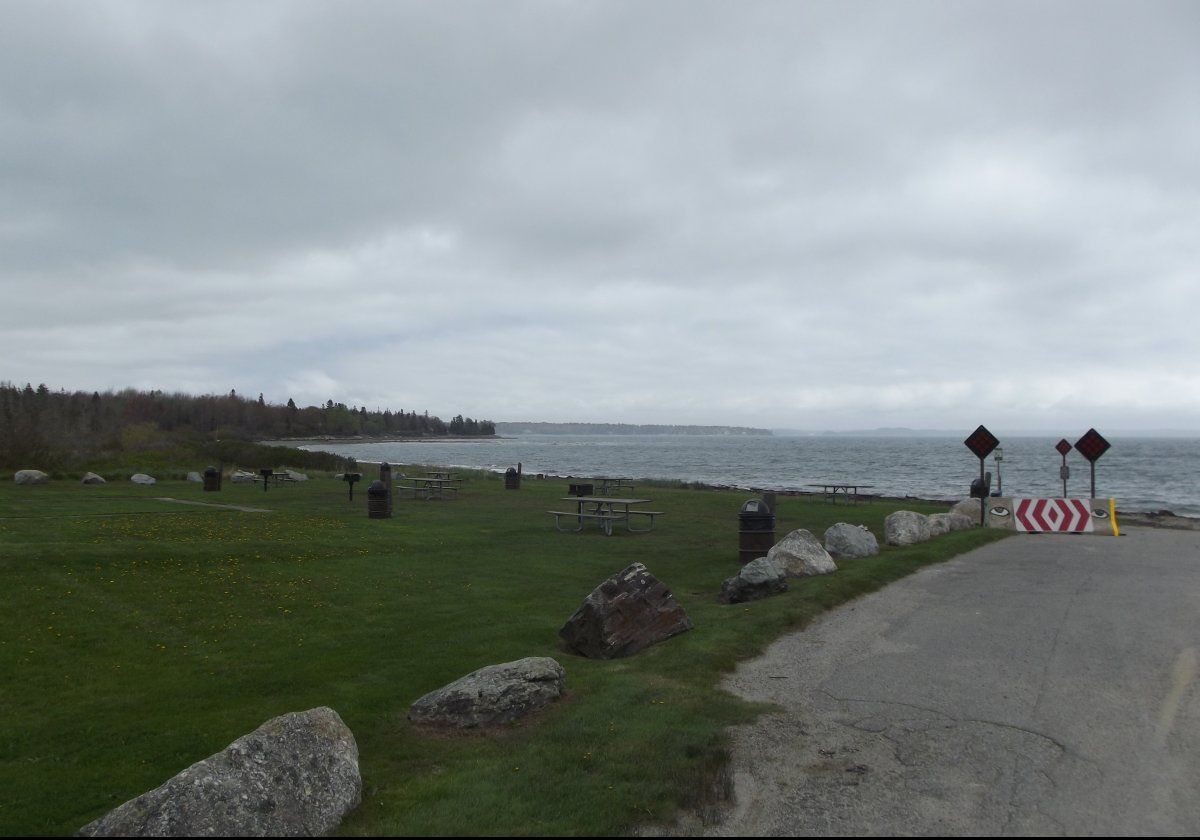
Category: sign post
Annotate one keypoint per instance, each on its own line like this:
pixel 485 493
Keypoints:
pixel 982 442
pixel 1064 472
pixel 1091 446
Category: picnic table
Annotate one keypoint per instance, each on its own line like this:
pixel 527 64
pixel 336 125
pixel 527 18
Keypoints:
pixel 604 511
pixel 442 474
pixel 613 484
pixel 848 491
pixel 432 488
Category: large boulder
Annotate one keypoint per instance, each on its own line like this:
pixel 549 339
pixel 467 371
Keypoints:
pixel 292 475
pixel 968 508
pixel 92 478
pixel 30 477
pixel 492 695
pixel 141 478
pixel 296 775
pixel 944 523
pixel 626 613
pixel 758 579
pixel 850 541
pixel 800 554
pixel 195 477
pixel 242 477
pixel 906 527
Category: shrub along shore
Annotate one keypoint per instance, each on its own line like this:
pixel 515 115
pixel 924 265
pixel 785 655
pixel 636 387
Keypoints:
pixel 140 637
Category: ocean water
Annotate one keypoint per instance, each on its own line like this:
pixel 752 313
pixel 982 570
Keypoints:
pixel 1142 474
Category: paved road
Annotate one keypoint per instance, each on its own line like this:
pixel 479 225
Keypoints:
pixel 1041 685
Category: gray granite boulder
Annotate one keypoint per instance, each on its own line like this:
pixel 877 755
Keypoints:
pixel 296 775
pixel 800 554
pixel 142 478
pixel 968 508
pixel 30 477
pixel 195 478
pixel 906 527
pixel 758 579
pixel 938 524
pixel 92 478
pixel 493 695
pixel 944 523
pixel 296 476
pixel 242 477
pixel 850 541
pixel 626 613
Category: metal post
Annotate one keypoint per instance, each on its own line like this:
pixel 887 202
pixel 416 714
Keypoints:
pixel 1064 473
pixel 983 497
pixel 385 475
pixel 999 456
pixel 1093 481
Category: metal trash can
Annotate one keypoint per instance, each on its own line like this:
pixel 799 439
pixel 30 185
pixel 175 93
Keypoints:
pixel 580 489
pixel 377 501
pixel 212 480
pixel 756 531
pixel 981 488
pixel 512 479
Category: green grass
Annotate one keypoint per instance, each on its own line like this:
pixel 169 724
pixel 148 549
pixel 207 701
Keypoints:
pixel 139 637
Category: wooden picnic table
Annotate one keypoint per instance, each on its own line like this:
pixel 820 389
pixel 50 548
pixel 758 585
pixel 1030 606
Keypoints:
pixel 276 478
pixel 847 490
pixel 431 488
pixel 442 474
pixel 605 510
pixel 609 484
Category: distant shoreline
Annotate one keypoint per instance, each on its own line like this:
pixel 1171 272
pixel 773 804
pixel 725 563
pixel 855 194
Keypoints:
pixel 311 441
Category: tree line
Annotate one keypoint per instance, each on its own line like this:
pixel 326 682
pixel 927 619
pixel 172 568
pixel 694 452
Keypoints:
pixel 54 428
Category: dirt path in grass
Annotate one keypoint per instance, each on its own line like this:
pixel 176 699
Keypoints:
pixel 208 504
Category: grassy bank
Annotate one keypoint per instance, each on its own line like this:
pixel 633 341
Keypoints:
pixel 140 636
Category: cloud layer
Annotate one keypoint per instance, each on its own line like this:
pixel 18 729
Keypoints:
pixel 769 213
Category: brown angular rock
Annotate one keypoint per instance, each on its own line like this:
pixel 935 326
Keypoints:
pixel 628 612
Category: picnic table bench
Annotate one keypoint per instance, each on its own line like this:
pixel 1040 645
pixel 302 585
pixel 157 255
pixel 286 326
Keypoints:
pixel 848 491
pixel 604 511
pixel 431 488
pixel 610 484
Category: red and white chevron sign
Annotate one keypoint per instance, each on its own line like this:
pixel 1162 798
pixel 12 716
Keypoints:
pixel 1060 515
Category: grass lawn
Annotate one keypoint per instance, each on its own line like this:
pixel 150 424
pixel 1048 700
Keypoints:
pixel 138 637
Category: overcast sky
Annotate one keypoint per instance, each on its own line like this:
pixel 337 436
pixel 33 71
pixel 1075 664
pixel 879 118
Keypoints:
pixel 783 214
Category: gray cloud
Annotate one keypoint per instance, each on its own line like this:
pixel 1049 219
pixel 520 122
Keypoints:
pixel 773 213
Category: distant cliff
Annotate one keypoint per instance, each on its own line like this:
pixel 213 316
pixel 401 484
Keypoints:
pixel 620 429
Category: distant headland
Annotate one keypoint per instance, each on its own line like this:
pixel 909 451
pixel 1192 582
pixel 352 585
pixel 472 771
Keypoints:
pixel 539 428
